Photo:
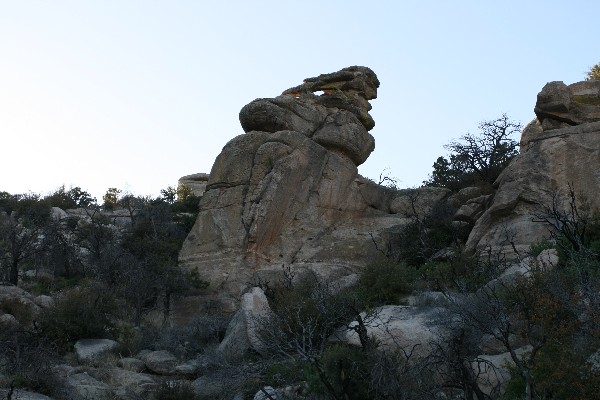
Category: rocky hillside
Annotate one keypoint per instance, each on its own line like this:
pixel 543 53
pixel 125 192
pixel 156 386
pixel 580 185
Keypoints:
pixel 301 279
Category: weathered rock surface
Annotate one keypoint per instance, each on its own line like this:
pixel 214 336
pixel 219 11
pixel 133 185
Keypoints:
pixel 288 192
pixel 560 152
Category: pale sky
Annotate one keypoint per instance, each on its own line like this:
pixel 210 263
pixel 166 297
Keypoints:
pixel 135 94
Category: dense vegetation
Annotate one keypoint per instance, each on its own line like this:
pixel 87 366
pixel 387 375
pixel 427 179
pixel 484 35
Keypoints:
pixel 113 263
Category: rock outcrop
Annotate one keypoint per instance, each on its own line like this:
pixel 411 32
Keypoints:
pixel 559 150
pixel 195 182
pixel 243 330
pixel 288 192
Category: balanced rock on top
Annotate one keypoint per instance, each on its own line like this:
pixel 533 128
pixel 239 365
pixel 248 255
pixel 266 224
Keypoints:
pixel 337 119
pixel 288 192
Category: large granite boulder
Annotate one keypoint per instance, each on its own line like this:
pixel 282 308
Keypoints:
pixel 400 327
pixel 243 330
pixel 288 191
pixel 559 151
pixel 559 105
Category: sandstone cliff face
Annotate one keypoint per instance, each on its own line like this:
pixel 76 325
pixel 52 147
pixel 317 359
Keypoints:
pixel 560 148
pixel 288 192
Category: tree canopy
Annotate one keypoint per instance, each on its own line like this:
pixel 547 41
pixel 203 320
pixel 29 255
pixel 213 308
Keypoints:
pixel 477 159
pixel 594 73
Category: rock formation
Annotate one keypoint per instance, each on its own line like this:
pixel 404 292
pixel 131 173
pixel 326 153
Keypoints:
pixel 288 192
pixel 196 182
pixel 559 149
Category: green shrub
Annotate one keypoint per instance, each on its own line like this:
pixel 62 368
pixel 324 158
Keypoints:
pixel 347 369
pixel 385 283
pixel 416 242
pixel 26 359
pixel 594 73
pixel 544 244
pixel 285 372
pixel 81 313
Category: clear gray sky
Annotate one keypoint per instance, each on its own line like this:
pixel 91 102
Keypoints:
pixel 135 94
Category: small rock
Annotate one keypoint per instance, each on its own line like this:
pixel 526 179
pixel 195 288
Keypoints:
pixel 92 349
pixel 8 321
pixel 547 259
pixel 44 301
pixel 58 214
pixel 272 394
pixel 161 362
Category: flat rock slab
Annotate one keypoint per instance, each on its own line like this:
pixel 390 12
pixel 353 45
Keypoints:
pixel 91 349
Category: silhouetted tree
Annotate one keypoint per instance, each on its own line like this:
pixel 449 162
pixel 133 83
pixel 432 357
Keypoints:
pixel 477 159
